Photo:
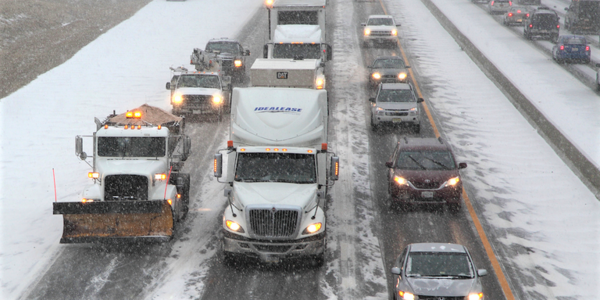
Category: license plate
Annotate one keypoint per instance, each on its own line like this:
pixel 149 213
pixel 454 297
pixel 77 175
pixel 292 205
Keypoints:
pixel 271 259
pixel 427 194
pixel 519 20
pixel 196 111
pixel 574 49
pixel 397 120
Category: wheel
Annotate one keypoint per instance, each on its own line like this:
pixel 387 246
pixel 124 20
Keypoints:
pixel 185 195
pixel 374 127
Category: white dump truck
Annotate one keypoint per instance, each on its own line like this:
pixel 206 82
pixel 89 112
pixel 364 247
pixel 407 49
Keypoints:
pixel 138 191
pixel 304 73
pixel 277 174
pixel 206 94
pixel 297 29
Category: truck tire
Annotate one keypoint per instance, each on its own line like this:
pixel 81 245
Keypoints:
pixel 185 195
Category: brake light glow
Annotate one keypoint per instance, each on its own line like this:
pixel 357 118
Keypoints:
pixel 558 26
pixel 509 3
pixel 492 3
pixel 510 14
pixel 587 48
pixel 530 25
pixel 527 15
pixel 562 47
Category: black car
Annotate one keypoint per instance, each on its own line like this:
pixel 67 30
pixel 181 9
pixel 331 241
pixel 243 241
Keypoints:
pixel 544 23
pixel 583 16
pixel 388 69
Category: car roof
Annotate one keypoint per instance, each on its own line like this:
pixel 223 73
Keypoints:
pixel 223 39
pixel 380 16
pixel 423 144
pixel 389 57
pixel 572 36
pixel 437 247
pixel 395 86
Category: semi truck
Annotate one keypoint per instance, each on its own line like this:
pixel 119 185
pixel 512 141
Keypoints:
pixel 138 190
pixel 297 29
pixel 277 177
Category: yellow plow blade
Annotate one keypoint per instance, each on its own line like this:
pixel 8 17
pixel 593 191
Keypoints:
pixel 103 221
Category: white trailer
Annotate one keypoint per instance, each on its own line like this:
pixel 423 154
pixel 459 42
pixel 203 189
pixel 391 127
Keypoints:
pixel 277 174
pixel 296 12
pixel 306 73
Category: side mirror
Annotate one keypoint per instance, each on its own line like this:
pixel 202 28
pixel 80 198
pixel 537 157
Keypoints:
pixel 396 271
pixel 322 64
pixel 266 51
pixel 363 24
pixel 482 272
pixel 407 67
pixel 335 168
pixel 389 164
pixel 168 85
pixel 247 53
pixel 329 53
pixel 566 8
pixel 462 165
pixel 218 165
pixel 372 100
pixel 397 25
pixel 187 146
pixel 79 148
pixel 420 100
pixel 597 65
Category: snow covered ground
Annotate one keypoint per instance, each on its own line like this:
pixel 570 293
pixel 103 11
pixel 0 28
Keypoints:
pixel 543 219
pixel 124 68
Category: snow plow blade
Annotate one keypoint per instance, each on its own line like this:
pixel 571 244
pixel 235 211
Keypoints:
pixel 109 221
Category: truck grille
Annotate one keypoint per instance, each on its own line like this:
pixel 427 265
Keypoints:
pixel 426 185
pixel 274 249
pixel 273 223
pixel 125 187
pixel 226 63
pixel 421 297
pixel 381 33
pixel 197 101
pixel 397 113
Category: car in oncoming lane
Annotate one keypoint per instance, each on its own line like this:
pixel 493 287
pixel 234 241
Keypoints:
pixel 515 15
pixel 396 104
pixel 423 171
pixel 437 271
pixel 387 69
pixel 380 29
pixel 499 6
pixel 571 48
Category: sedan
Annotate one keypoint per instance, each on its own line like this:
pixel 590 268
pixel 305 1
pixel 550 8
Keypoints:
pixel 571 48
pixel 515 15
pixel 437 271
pixel 387 69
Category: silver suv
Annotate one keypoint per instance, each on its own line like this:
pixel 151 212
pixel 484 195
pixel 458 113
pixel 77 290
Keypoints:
pixel 396 103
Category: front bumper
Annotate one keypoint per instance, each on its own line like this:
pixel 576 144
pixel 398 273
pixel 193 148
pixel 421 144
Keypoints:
pixel 404 120
pixel 273 250
pixel 212 110
pixel 411 194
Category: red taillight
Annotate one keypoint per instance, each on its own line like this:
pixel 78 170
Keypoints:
pixel 587 48
pixel 526 15
pixel 530 25
pixel 509 3
pixel 562 47
pixel 492 3
pixel 510 14
pixel 557 25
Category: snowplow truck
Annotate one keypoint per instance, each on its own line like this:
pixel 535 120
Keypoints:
pixel 277 174
pixel 138 191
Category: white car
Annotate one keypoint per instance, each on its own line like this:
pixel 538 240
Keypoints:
pixel 380 29
pixel 396 104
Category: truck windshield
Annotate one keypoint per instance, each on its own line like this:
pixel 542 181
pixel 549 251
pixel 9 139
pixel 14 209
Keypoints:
pixel 275 167
pixel 395 96
pixel 380 22
pixel 298 17
pixel 199 81
pixel 131 146
pixel 308 51
pixel 223 47
pixel 425 160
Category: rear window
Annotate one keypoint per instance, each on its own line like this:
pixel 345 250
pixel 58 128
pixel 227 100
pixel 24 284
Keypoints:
pixel 575 41
pixel 545 19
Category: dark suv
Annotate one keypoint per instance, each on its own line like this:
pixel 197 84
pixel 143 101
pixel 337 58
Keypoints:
pixel 543 22
pixel 424 171
pixel 583 16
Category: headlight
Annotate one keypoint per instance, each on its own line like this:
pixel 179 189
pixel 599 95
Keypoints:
pixel 312 228
pixel 319 83
pixel 367 31
pixel 400 180
pixel 475 296
pixel 234 226
pixel 402 76
pixel 413 111
pixel 237 63
pixel 217 99
pixel 376 75
pixel 160 176
pixel 452 181
pixel 94 175
pixel 394 32
pixel 406 295
pixel 177 99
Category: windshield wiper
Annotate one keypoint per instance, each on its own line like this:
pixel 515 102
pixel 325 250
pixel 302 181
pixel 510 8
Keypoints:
pixel 448 276
pixel 416 162
pixel 436 162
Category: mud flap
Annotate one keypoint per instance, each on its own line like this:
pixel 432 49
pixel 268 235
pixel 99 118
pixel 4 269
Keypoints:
pixel 98 221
